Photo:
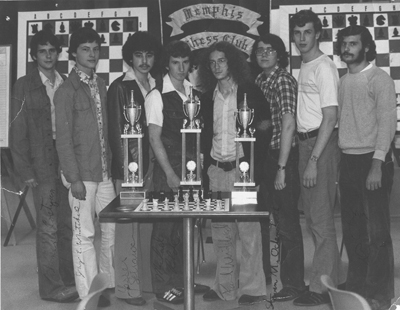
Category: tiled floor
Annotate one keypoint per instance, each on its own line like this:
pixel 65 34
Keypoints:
pixel 19 279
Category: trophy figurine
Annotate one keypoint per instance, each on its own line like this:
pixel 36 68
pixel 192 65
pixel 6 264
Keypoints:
pixel 245 117
pixel 191 108
pixel 191 166
pixel 132 113
pixel 133 177
pixel 244 168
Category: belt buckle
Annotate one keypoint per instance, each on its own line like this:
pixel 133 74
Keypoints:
pixel 228 166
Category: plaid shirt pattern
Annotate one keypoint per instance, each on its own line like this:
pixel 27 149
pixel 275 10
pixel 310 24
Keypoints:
pixel 95 93
pixel 280 90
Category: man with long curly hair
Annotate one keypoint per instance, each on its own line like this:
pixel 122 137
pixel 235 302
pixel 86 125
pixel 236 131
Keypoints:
pixel 225 77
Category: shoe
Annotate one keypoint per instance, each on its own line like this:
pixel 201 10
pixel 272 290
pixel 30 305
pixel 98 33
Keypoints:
pixel 68 294
pixel 248 300
pixel 200 288
pixel 173 296
pixel 288 293
pixel 103 302
pixel 211 295
pixel 138 301
pixel 309 299
pixel 379 304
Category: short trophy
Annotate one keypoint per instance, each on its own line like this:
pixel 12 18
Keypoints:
pixel 191 108
pixel 132 113
pixel 245 117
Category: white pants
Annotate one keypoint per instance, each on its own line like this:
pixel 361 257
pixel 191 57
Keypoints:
pixel 98 196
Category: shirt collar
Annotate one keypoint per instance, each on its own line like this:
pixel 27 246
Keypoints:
pixel 44 79
pixel 84 77
pixel 169 87
pixel 131 76
pixel 232 90
pixel 265 76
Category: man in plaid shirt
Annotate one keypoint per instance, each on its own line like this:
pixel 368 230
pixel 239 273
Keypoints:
pixel 281 176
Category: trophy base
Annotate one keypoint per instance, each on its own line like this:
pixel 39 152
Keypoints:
pixel 129 197
pixel 132 135
pixel 126 184
pixel 244 184
pixel 244 201
pixel 245 139
pixel 191 130
pixel 190 183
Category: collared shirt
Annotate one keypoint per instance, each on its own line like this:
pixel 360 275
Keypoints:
pixel 131 76
pixel 280 90
pixel 95 93
pixel 50 90
pixel 224 124
pixel 154 104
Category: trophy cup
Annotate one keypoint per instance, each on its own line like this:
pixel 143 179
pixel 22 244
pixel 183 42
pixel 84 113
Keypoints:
pixel 245 117
pixel 132 113
pixel 191 108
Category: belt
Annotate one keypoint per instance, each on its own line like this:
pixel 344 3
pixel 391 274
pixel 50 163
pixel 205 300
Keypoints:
pixel 225 165
pixel 309 134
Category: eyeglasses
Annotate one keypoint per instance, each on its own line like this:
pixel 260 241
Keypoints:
pixel 221 62
pixel 261 51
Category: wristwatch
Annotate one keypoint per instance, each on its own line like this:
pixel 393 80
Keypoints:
pixel 314 158
pixel 280 168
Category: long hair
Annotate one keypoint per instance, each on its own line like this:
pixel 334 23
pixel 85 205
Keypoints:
pixel 277 44
pixel 239 69
pixel 366 40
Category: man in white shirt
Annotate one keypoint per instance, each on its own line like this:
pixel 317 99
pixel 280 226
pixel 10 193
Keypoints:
pixel 319 152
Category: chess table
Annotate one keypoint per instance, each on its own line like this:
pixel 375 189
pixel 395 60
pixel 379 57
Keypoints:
pixel 116 211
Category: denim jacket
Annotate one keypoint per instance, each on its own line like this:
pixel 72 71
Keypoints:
pixel 78 139
pixel 31 136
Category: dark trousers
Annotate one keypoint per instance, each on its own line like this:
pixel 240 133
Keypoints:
pixel 366 227
pixel 53 237
pixel 286 215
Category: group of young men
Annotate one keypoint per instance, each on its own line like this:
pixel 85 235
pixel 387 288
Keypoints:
pixel 75 123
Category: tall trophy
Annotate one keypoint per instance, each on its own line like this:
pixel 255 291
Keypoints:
pixel 133 171
pixel 191 109
pixel 132 113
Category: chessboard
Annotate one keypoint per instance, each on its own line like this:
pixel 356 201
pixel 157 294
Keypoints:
pixel 215 205
pixel 382 20
pixel 113 25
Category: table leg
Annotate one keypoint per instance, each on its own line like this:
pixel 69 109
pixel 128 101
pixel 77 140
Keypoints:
pixel 188 254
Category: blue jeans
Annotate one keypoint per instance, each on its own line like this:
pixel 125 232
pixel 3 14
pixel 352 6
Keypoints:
pixel 319 203
pixel 286 215
pixel 366 228
pixel 53 237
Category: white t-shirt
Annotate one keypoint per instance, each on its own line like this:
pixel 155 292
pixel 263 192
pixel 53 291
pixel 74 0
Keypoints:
pixel 154 105
pixel 318 87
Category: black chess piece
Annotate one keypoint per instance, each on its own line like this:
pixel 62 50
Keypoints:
pixel 366 21
pixel 339 19
pixel 191 198
pixel 115 25
pixel 162 196
pixel 180 196
pixel 34 28
pixel 395 33
pixel 150 196
pixel 102 26
pixel 89 24
pixel 62 28
pixel 219 195
pixel 200 195
pixel 380 20
pixel 325 22
pixel 171 195
pixel 353 20
pixel 103 39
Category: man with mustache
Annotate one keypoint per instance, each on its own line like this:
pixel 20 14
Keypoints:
pixel 141 51
pixel 367 124
pixel 319 154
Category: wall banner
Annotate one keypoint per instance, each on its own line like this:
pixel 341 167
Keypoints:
pixel 214 11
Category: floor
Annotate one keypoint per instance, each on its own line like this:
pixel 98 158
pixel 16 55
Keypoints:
pixel 19 279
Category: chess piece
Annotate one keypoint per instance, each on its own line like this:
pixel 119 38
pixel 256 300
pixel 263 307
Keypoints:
pixel 89 24
pixel 161 196
pixel 209 194
pixel 176 203
pixel 219 205
pixel 166 206
pixel 208 204
pixel 180 197
pixel 145 206
pixel 200 195
pixel 155 204
pixel 395 33
pixel 171 195
pixel 325 22
pixel 353 20
pixel 380 20
pixel 34 28
pixel 198 205
pixel 62 27
pixel 103 39
pixel 115 25
pixel 191 198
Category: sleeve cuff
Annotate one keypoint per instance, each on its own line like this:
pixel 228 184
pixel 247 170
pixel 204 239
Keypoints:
pixel 379 154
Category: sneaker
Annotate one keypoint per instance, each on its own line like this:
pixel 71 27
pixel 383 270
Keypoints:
pixel 138 301
pixel 310 299
pixel 288 293
pixel 68 294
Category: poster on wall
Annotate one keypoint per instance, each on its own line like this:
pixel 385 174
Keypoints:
pixel 382 20
pixel 5 92
pixel 113 25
